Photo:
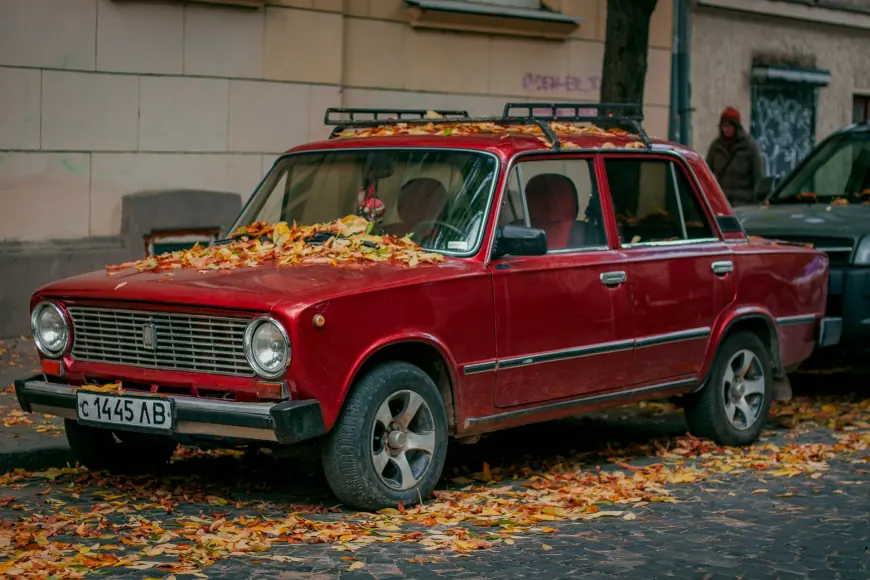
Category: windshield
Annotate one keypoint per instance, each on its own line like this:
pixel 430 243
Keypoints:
pixel 440 198
pixel 838 171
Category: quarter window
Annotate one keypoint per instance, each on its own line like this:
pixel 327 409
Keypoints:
pixel 559 196
pixel 654 202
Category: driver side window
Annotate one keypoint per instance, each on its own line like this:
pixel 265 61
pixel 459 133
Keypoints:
pixel 559 196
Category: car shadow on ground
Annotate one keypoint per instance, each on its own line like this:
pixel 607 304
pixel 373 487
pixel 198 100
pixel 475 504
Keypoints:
pixel 635 431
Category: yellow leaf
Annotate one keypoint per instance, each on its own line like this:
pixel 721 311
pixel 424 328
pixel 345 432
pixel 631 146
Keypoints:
pixel 761 491
pixel 555 511
pixel 629 516
pixel 546 547
pixel 356 565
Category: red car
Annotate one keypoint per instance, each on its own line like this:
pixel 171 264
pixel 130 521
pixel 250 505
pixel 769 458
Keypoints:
pixel 456 276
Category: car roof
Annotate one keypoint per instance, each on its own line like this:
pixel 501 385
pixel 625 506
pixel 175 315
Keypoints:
pixel 540 127
pixel 502 146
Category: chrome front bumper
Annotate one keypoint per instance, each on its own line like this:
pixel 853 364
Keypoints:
pixel 286 422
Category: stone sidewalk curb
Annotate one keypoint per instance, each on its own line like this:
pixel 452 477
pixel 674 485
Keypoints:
pixel 36 457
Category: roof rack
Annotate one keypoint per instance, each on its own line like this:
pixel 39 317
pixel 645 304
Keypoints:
pixel 621 115
pixel 342 118
pixel 394 117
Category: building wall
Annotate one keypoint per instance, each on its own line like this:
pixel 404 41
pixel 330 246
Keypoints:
pixel 103 98
pixel 724 43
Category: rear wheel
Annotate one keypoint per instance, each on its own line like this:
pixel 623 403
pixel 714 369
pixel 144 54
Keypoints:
pixel 118 451
pixel 389 444
pixel 734 404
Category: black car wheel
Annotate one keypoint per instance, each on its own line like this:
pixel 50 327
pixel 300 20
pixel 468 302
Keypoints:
pixel 389 444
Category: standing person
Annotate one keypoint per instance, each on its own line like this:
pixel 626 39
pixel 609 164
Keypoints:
pixel 735 160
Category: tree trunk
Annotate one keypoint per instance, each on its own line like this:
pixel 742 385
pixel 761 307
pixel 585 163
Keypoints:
pixel 625 50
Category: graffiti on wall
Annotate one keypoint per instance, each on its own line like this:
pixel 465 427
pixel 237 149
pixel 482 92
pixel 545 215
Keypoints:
pixel 783 124
pixel 573 84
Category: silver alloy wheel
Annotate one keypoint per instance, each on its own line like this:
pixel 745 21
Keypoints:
pixel 743 389
pixel 403 440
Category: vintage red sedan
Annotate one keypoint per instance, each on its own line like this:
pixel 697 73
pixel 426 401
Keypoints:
pixel 467 275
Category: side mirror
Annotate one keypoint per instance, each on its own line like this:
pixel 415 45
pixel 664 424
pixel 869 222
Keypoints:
pixel 764 187
pixel 519 241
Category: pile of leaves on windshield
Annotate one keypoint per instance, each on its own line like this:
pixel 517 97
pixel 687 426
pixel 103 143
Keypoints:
pixel 492 128
pixel 348 239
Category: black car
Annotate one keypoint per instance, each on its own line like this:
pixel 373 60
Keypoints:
pixel 825 201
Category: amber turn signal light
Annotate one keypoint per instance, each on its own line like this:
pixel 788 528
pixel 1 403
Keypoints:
pixel 52 367
pixel 270 391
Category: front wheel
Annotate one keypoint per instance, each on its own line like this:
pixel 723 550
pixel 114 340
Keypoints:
pixel 734 404
pixel 389 444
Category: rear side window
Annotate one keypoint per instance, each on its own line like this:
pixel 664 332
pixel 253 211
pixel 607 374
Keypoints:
pixel 655 202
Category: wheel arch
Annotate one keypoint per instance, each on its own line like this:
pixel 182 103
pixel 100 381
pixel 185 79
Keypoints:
pixel 423 351
pixel 757 321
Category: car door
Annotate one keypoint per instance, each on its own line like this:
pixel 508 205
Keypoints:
pixel 563 320
pixel 679 270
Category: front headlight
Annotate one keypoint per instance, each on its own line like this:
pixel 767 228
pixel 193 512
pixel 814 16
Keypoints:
pixel 862 252
pixel 50 329
pixel 267 347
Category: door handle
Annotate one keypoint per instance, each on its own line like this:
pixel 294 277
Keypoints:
pixel 723 267
pixel 612 278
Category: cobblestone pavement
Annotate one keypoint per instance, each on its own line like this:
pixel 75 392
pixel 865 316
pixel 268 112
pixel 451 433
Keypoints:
pixel 799 511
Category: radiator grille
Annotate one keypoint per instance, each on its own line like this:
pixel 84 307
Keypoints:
pixel 160 340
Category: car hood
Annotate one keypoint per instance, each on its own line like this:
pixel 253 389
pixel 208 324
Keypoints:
pixel 260 288
pixel 804 220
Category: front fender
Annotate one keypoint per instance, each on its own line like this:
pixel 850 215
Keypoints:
pixel 396 340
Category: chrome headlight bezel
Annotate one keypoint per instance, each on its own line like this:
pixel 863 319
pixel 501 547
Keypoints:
pixel 37 338
pixel 250 331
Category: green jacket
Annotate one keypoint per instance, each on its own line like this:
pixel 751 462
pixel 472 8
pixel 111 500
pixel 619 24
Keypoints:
pixel 739 169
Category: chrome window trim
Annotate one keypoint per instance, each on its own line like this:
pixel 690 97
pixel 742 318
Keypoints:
pixel 486 211
pixel 544 153
pixel 527 221
pixel 562 251
pixel 673 172
pixel 670 243
pixel 514 164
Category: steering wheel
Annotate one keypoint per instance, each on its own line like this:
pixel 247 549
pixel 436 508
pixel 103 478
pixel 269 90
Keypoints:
pixel 452 228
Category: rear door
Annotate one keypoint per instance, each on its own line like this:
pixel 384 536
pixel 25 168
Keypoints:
pixel 680 273
pixel 563 320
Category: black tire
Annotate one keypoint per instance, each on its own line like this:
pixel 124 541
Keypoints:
pixel 706 413
pixel 349 449
pixel 119 452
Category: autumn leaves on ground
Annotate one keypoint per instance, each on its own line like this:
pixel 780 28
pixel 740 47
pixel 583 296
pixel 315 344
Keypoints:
pixel 522 484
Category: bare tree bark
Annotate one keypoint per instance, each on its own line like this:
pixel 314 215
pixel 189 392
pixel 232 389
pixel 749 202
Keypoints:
pixel 625 50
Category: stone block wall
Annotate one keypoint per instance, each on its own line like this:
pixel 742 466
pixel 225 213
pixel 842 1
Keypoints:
pixel 106 98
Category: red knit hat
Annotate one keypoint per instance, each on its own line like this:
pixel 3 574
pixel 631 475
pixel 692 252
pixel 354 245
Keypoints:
pixel 730 114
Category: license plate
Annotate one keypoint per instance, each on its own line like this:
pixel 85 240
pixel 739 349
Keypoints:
pixel 135 413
